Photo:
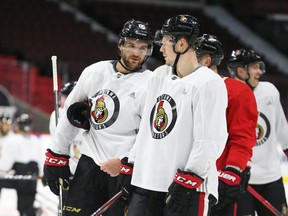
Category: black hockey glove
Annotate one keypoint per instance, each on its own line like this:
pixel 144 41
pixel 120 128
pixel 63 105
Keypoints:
pixel 56 171
pixel 181 193
pixel 245 179
pixel 230 188
pixel 124 179
pixel 78 114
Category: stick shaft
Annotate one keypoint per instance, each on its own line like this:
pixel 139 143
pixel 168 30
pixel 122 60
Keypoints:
pixel 19 177
pixel 267 204
pixel 55 88
pixel 108 204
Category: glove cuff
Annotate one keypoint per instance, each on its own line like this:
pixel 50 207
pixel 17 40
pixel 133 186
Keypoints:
pixel 125 167
pixel 54 159
pixel 230 176
pixel 188 179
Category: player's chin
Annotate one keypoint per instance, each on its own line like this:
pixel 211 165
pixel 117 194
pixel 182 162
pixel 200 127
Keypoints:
pixel 135 65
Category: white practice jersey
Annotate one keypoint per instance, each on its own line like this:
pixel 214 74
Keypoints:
pixel 22 149
pixel 183 126
pixel 74 146
pixel 117 103
pixel 272 129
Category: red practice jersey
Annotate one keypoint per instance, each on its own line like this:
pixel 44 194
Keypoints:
pixel 242 118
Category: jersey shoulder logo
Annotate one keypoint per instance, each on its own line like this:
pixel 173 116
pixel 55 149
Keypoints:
pixel 163 116
pixel 104 110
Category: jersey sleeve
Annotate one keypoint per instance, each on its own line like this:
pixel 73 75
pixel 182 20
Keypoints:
pixel 209 128
pixel 65 133
pixel 7 159
pixel 242 118
pixel 281 123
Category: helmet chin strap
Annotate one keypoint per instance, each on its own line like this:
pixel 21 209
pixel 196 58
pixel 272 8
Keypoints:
pixel 174 67
pixel 246 80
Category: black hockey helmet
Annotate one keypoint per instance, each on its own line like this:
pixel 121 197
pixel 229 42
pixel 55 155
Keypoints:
pixel 210 44
pixel 182 25
pixel 67 88
pixel 137 30
pixel 242 58
pixel 24 122
pixel 6 118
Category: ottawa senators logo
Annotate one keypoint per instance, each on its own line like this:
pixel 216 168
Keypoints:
pixel 104 109
pixel 160 123
pixel 163 116
pixel 263 129
pixel 100 112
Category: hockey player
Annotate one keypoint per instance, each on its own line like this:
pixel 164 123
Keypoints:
pixel 182 132
pixel 115 91
pixel 6 123
pixel 22 153
pixel 75 145
pixel 241 118
pixel 272 129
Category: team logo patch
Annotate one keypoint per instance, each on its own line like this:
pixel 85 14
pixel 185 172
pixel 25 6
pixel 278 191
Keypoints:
pixel 104 110
pixel 163 116
pixel 263 129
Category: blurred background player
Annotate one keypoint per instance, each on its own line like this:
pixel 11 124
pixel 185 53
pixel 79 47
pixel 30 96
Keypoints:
pixel 180 136
pixel 6 125
pixel 241 118
pixel 113 94
pixel 272 129
pixel 22 155
pixel 75 146
pixel 64 92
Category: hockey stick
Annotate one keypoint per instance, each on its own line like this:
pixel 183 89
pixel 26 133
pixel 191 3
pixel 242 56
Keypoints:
pixel 55 88
pixel 20 177
pixel 108 204
pixel 267 204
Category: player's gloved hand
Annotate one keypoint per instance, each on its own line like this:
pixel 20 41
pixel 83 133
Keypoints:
pixel 181 193
pixel 245 179
pixel 78 114
pixel 230 188
pixel 56 171
pixel 124 178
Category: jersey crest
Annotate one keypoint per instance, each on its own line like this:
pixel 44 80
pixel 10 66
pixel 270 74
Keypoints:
pixel 263 129
pixel 104 110
pixel 163 116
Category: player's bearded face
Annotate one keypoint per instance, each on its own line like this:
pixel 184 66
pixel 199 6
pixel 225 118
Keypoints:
pixel 133 53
